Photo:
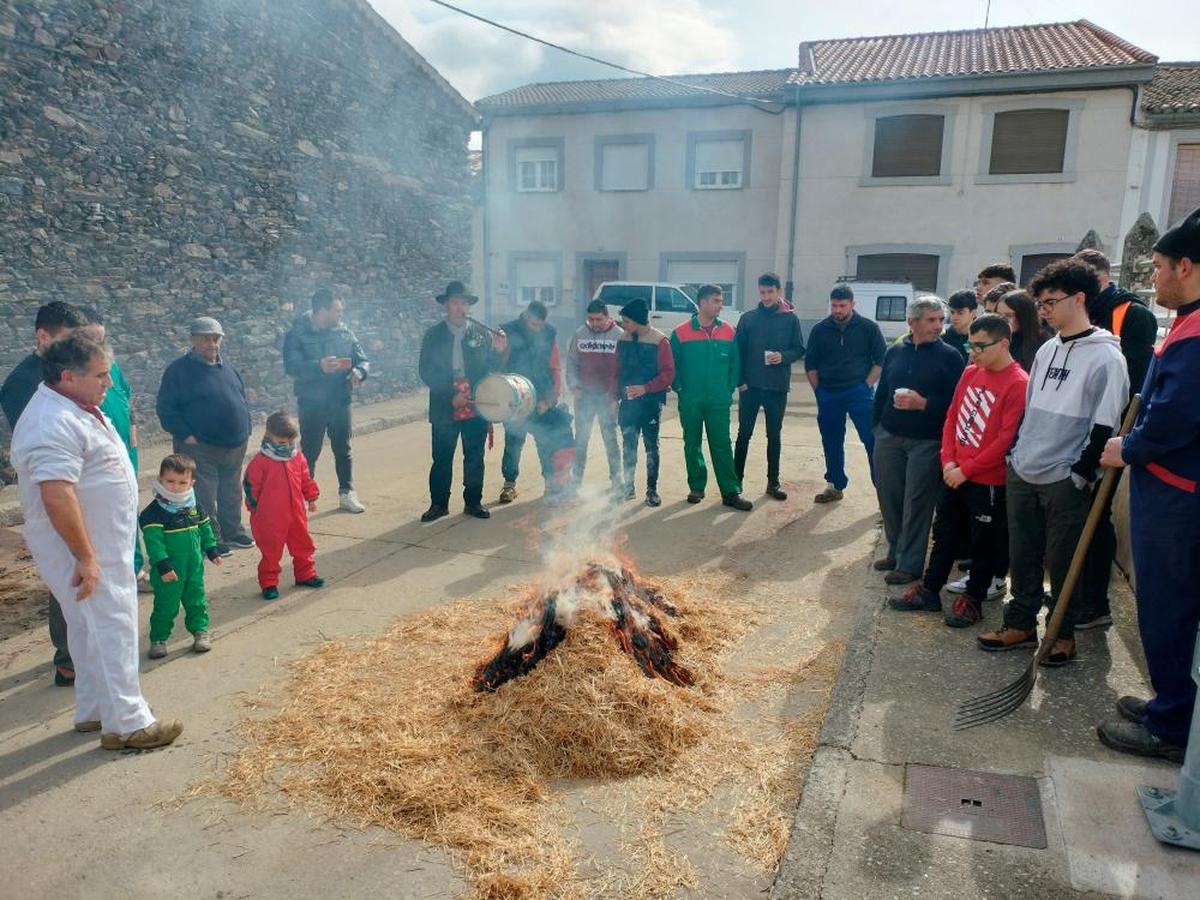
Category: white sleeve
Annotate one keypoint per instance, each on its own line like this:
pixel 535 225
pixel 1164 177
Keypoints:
pixel 1115 393
pixel 56 455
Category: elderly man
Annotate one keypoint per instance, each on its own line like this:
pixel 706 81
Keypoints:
pixel 79 495
pixel 202 404
pixel 327 362
pixel 914 393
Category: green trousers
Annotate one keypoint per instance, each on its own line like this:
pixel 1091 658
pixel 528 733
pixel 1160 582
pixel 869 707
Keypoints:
pixel 712 419
pixel 168 595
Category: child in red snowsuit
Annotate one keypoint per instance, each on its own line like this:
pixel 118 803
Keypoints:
pixel 278 486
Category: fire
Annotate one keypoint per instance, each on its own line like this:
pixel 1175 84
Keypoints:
pixel 633 610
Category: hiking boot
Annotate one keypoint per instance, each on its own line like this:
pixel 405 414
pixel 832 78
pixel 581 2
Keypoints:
pixel 829 495
pixel 884 565
pixel 1060 654
pixel 88 727
pixel 241 541
pixel 652 498
pixel 477 511
pixel 201 642
pixel 774 490
pixel 158 649
pixel 996 590
pixel 965 612
pixel 1102 621
pixel 899 576
pixel 508 493
pixel 1006 638
pixel 1133 737
pixel 737 501
pixel 695 496
pixel 270 593
pixel 315 582
pixel 64 676
pixel 917 598
pixel 1132 708
pixel 348 501
pixel 434 512
pixel 156 734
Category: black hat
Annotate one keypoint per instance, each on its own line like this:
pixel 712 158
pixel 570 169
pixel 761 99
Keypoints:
pixel 457 289
pixel 637 310
pixel 1182 240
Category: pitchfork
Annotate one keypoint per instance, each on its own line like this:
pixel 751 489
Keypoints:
pixel 998 704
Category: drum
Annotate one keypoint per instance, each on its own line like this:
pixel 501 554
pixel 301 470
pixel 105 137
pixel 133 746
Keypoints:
pixel 505 398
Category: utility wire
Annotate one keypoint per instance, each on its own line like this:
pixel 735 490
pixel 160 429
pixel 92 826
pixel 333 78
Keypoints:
pixel 604 62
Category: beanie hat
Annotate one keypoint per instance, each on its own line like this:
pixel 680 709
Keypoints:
pixel 1182 240
pixel 637 310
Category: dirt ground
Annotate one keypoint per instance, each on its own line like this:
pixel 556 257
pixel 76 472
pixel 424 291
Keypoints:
pixel 23 596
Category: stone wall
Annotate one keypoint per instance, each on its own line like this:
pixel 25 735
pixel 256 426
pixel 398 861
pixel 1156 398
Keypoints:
pixel 162 159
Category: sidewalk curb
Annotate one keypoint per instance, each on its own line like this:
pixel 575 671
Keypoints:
pixel 801 873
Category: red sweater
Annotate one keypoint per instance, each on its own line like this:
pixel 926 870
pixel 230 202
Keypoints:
pixel 982 422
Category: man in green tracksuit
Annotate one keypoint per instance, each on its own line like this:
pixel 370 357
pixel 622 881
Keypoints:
pixel 707 370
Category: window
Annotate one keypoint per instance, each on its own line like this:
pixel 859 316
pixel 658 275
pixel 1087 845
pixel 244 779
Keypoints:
pixel 718 160
pixel 1033 263
pixel 536 279
pixel 669 299
pixel 1185 185
pixel 694 273
pixel 1029 141
pixel 891 309
pixel 625 163
pixel 908 146
pixel 536 165
pixel 619 294
pixel 921 269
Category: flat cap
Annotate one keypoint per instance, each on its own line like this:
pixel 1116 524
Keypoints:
pixel 206 325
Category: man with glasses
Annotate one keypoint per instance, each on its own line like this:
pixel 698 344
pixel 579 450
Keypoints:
pixel 977 435
pixel 1077 389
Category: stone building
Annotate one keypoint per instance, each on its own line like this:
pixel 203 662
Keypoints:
pixel 163 159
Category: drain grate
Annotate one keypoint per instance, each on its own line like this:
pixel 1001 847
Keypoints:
pixel 982 806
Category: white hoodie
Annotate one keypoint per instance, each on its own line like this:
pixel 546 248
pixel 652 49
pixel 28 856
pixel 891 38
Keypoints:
pixel 1074 386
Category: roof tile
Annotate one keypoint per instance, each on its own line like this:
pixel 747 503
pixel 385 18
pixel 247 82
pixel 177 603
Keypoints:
pixel 765 82
pixel 1174 89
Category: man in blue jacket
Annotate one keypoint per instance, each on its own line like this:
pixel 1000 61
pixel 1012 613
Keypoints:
pixel 1163 455
pixel 202 404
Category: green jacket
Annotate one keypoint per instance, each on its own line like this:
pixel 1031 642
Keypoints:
pixel 116 404
pixel 177 541
pixel 707 365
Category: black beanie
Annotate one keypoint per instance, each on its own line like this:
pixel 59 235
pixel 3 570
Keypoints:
pixel 1182 240
pixel 637 310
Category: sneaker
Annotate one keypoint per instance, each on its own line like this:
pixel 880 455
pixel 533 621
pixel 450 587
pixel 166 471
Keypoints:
pixel 64 676
pixel 1060 654
pixel 917 598
pixel 158 649
pixel 964 613
pixel 630 492
pixel 143 583
pixel 884 565
pixel 899 576
pixel 1131 708
pixel 774 490
pixel 156 734
pixel 241 541
pixel 201 642
pixel 1095 622
pixel 477 511
pixel 508 493
pixel 829 495
pixel 737 501
pixel 224 550
pixel 1006 638
pixel 996 590
pixel 270 593
pixel 348 502
pixel 652 498
pixel 434 512
pixel 87 727
pixel 1133 737
pixel 315 582
pixel 695 496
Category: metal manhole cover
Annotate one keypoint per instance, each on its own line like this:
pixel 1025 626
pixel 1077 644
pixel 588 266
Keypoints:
pixel 982 806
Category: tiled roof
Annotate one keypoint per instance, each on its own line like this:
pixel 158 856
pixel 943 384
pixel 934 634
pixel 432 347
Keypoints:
pixel 1174 89
pixel 616 90
pixel 991 51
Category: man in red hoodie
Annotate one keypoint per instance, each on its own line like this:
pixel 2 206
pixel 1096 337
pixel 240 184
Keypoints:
pixel 980 428
pixel 592 375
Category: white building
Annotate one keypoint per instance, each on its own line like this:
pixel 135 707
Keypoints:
pixel 921 157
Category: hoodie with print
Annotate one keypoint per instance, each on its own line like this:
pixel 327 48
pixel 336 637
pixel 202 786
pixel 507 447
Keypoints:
pixel 1077 389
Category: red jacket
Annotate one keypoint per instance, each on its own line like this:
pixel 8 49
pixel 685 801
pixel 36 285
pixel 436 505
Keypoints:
pixel 277 492
pixel 982 422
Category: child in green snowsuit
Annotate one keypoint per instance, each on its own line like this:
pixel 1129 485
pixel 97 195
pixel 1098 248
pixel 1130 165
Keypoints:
pixel 178 536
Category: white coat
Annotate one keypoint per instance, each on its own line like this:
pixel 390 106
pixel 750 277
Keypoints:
pixel 58 440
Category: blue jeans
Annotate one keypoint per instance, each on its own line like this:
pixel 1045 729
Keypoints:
pixel 832 409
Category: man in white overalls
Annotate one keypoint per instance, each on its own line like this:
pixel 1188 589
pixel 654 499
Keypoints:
pixel 79 495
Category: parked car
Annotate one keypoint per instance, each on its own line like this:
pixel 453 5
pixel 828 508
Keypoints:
pixel 886 302
pixel 670 304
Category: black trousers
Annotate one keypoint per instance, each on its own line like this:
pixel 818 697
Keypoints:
pixel 979 511
pixel 774 405
pixel 445 440
pixel 315 420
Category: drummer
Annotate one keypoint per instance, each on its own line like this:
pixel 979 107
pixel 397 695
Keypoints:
pixel 456 355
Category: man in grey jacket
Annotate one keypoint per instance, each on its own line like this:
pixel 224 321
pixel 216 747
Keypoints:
pixel 327 362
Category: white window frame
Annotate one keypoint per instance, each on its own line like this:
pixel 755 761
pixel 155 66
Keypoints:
pixel 872 113
pixel 721 179
pixel 522 294
pixel 606 140
pixel 551 162
pixel 1070 150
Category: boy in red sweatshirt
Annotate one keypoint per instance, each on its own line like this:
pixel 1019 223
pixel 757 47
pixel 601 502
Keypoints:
pixel 980 428
pixel 278 486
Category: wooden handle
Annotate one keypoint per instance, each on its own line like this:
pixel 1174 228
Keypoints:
pixel 1099 501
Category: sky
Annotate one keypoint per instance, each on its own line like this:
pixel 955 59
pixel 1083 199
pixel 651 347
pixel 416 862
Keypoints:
pixel 667 37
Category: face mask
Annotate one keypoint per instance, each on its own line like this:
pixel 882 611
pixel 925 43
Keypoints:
pixel 281 452
pixel 174 501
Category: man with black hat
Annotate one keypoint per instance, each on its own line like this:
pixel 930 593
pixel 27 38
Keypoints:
pixel 646 370
pixel 327 362
pixel 1163 455
pixel 202 405
pixel 457 354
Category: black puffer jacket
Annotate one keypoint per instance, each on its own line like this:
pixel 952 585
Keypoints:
pixel 303 349
pixel 1139 330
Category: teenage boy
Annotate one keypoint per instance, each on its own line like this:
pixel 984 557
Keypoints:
pixel 592 375
pixel 963 308
pixel 645 371
pixel 993 276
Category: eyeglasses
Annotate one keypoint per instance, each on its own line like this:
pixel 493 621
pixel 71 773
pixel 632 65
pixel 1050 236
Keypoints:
pixel 977 347
pixel 1051 302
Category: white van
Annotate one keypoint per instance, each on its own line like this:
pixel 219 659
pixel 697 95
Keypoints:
pixel 885 302
pixel 670 304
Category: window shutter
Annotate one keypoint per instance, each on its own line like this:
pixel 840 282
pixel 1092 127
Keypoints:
pixel 919 268
pixel 1185 186
pixel 1029 142
pixel 908 146
pixel 719 156
pixel 624 167
pixel 1035 262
